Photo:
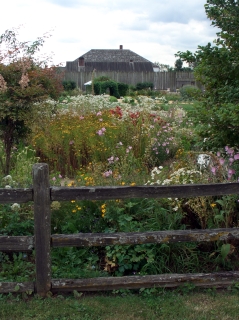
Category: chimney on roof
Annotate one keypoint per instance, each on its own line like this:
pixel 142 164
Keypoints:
pixel 121 47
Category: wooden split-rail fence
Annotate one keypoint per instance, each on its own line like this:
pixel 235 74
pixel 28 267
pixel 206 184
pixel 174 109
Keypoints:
pixel 42 194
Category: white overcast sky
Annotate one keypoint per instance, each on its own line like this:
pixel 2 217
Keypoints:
pixel 154 29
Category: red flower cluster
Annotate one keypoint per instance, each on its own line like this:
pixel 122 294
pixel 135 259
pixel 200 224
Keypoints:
pixel 117 112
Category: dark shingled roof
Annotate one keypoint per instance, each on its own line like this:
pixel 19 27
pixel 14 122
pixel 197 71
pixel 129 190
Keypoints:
pixel 111 60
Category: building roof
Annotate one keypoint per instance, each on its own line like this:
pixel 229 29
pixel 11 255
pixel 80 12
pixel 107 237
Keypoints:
pixel 111 60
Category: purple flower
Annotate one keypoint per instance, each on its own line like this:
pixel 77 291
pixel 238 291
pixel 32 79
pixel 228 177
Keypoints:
pixel 236 156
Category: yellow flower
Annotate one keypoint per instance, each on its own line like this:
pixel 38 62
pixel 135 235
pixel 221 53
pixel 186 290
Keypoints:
pixel 72 201
pixel 133 184
pixel 74 211
pixel 213 205
pixel 122 183
pixel 103 211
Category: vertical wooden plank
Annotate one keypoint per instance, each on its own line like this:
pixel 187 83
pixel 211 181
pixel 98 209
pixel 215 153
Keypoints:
pixel 42 228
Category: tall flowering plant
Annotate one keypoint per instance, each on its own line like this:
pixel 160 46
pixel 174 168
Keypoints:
pixel 24 80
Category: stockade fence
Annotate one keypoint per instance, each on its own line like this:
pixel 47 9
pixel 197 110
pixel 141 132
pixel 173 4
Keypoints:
pixel 42 194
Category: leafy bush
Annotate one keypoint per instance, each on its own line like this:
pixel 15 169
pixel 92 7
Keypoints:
pixel 123 89
pixel 190 93
pixel 69 85
pixel 144 85
pixel 100 87
pixel 113 99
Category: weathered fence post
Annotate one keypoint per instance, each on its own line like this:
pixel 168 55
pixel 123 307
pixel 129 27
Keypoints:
pixel 42 227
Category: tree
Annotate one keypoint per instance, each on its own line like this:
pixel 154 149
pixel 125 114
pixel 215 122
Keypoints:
pixel 178 65
pixel 163 67
pixel 217 68
pixel 24 81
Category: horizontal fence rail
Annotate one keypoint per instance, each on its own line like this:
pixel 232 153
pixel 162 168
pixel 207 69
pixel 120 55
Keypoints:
pixel 168 236
pixel 16 195
pixel 17 243
pixel 217 280
pixel 42 194
pixel 110 193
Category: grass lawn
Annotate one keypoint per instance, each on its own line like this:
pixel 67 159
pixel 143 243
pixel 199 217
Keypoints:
pixel 169 305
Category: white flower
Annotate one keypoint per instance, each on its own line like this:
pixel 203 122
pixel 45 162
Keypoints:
pixel 8 187
pixel 15 207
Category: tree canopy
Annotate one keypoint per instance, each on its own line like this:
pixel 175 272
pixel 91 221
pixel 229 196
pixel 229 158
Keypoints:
pixel 217 68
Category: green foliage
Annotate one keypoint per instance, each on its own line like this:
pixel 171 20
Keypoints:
pixel 178 65
pixel 123 89
pixel 102 79
pixel 69 85
pixel 101 87
pixel 190 93
pixel 24 81
pixel 113 99
pixel 144 85
pixel 217 69
pixel 16 267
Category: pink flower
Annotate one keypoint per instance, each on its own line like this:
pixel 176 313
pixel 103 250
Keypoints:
pixel 231 171
pixel 99 113
pixel 221 161
pixel 111 159
pixel 100 133
pixel 236 156
pixel 71 142
pixel 108 173
pixel 82 117
pixel 213 170
pixel 60 176
pixel 54 179
pixel 230 151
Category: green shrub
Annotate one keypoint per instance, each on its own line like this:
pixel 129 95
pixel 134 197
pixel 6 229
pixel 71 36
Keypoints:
pixel 123 89
pixel 113 99
pixel 144 85
pixel 190 93
pixel 68 85
pixel 100 87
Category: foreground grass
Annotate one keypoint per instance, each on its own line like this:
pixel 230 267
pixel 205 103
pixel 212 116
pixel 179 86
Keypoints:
pixel 207 305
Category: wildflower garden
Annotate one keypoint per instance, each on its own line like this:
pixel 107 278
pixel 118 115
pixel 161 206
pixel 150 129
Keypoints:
pixel 145 138
pixel 142 137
